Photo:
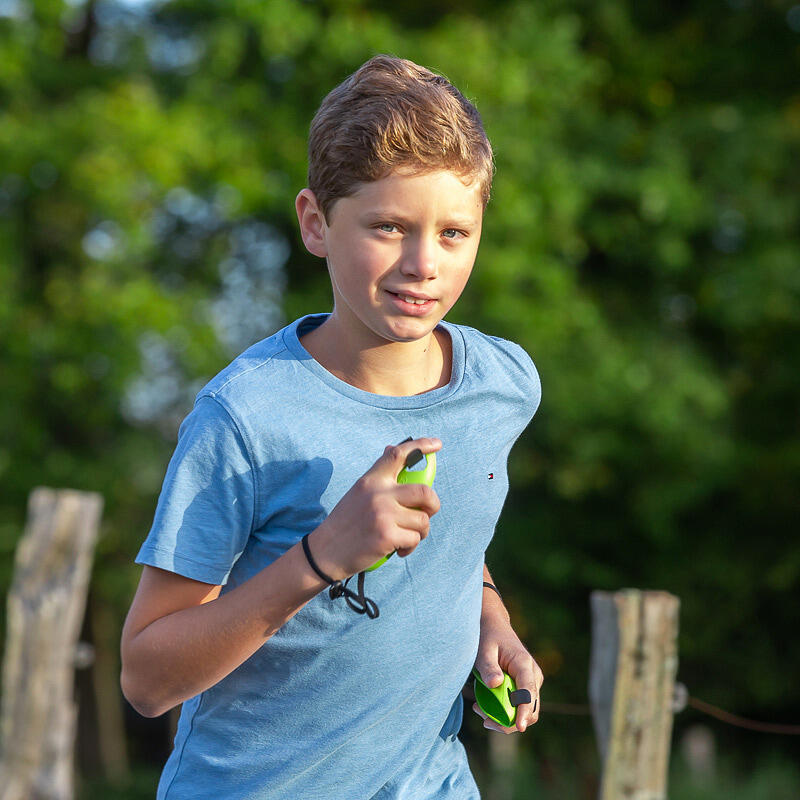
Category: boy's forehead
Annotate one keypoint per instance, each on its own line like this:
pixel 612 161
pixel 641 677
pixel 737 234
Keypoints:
pixel 409 172
pixel 443 186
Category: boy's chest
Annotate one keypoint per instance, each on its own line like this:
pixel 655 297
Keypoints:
pixel 319 464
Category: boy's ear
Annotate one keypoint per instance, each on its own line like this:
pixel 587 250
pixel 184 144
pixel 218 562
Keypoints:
pixel 312 223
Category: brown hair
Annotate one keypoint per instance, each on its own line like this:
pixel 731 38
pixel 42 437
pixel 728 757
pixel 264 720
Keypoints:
pixel 391 114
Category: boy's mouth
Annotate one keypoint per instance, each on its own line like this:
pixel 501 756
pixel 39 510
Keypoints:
pixel 418 301
pixel 412 303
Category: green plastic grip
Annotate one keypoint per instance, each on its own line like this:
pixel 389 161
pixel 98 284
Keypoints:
pixel 407 475
pixel 500 704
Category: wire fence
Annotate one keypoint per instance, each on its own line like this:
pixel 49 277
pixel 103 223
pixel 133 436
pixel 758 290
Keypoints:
pixel 684 699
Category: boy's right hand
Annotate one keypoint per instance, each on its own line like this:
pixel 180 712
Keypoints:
pixel 377 516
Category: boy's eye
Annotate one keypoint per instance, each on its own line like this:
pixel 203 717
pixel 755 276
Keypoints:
pixel 387 227
pixel 451 233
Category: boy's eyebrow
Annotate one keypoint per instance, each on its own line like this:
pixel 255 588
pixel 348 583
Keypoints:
pixel 384 214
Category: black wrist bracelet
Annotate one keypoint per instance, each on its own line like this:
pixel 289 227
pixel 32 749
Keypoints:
pixel 307 550
pixel 493 588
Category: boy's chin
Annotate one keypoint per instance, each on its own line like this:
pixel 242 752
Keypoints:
pixel 408 334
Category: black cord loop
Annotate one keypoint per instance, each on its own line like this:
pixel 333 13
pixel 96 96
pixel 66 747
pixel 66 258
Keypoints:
pixel 357 601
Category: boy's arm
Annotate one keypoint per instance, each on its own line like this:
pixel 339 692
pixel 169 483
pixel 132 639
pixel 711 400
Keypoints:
pixel 501 650
pixel 181 636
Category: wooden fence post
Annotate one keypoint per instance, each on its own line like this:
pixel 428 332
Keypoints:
pixel 633 665
pixel 503 758
pixel 45 609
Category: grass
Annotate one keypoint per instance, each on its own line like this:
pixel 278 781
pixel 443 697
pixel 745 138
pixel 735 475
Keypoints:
pixel 771 779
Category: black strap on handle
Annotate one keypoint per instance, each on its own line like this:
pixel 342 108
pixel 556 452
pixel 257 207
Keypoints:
pixel 413 458
pixel 518 697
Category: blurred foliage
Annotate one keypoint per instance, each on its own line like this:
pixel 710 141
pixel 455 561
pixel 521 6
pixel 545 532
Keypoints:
pixel 642 244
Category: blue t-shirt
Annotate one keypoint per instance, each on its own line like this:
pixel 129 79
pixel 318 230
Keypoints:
pixel 336 704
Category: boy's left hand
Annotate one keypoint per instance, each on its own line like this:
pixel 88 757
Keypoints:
pixel 500 649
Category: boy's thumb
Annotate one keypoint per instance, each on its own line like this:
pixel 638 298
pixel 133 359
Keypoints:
pixel 491 674
pixel 492 678
pixel 406 454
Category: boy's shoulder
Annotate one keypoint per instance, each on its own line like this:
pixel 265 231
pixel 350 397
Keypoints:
pixel 498 358
pixel 261 364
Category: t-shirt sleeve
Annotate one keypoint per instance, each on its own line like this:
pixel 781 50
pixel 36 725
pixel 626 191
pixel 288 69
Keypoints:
pixel 516 370
pixel 527 378
pixel 206 507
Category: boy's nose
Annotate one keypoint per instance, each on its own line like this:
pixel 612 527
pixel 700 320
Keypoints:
pixel 420 259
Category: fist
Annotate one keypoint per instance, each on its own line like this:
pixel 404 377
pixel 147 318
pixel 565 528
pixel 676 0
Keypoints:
pixel 377 516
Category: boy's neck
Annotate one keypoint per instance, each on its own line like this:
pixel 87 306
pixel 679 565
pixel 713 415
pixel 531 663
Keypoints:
pixel 396 369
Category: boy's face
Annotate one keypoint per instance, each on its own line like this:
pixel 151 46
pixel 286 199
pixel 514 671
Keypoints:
pixel 400 251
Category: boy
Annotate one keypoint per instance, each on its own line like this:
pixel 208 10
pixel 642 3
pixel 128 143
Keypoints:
pixel 274 491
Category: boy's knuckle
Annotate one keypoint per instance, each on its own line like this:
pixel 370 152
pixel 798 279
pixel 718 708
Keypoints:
pixel 386 540
pixel 363 485
pixel 378 519
pixel 383 520
pixel 376 504
pixel 522 663
pixel 420 498
pixel 380 542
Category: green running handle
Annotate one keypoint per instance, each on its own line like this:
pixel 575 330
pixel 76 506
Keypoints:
pixel 500 704
pixel 407 475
